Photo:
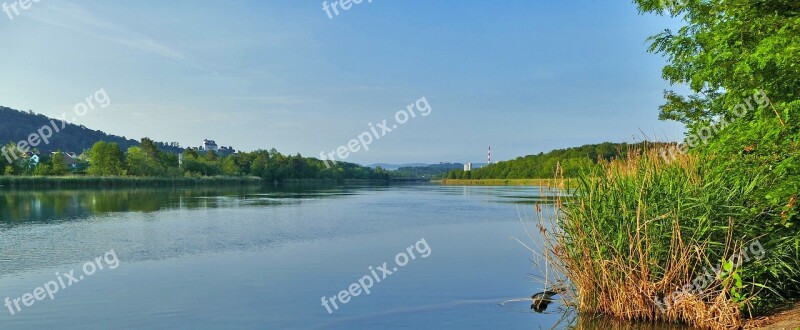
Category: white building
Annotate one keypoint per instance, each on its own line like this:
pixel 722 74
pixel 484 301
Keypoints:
pixel 467 167
pixel 209 145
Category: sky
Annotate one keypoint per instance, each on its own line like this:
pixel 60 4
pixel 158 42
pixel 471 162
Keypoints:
pixel 524 76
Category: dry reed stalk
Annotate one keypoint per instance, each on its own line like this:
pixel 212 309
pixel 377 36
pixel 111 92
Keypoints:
pixel 623 285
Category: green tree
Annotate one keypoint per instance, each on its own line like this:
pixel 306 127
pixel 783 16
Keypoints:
pixel 726 51
pixel 190 153
pixel 137 162
pixel 167 160
pixel 211 155
pixel 229 166
pixel 42 170
pixel 106 159
pixel 3 161
pixel 17 165
pixel 59 164
pixel 729 53
pixel 740 61
pixel 149 148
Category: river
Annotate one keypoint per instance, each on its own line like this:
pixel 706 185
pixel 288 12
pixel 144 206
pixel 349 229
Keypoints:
pixel 437 257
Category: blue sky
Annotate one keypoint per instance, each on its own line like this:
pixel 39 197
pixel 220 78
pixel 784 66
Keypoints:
pixel 522 76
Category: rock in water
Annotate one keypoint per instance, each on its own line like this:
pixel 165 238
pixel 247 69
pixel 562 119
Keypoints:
pixel 543 299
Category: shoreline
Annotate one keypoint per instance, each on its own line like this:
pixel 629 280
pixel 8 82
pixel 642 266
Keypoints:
pixel 38 182
pixel 58 182
pixel 508 182
pixel 787 318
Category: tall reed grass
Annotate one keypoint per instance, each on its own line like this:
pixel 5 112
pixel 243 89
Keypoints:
pixel 640 229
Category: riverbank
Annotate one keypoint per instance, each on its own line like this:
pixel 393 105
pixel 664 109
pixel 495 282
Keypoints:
pixel 509 182
pixel 649 239
pixel 34 182
pixel 788 319
pixel 26 182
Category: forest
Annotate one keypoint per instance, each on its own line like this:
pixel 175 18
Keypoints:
pixel 571 162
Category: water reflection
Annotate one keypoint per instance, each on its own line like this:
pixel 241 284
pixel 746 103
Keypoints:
pixel 278 249
pixel 523 195
pixel 589 322
pixel 58 205
pixel 19 206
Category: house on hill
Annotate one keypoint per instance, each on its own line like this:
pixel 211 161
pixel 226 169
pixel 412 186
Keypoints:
pixel 33 159
pixel 209 145
pixel 70 158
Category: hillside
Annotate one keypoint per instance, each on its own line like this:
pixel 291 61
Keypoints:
pixel 432 171
pixel 543 165
pixel 18 125
pixel 394 167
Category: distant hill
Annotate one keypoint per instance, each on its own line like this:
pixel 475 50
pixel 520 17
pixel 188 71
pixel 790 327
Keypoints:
pixel 18 125
pixel 543 165
pixel 433 171
pixel 393 167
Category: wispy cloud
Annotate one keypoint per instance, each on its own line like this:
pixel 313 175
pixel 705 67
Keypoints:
pixel 75 17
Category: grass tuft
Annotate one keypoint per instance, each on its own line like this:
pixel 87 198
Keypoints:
pixel 635 237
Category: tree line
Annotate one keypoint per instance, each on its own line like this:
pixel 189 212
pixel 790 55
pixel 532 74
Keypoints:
pixel 149 160
pixel 570 162
pixel 433 171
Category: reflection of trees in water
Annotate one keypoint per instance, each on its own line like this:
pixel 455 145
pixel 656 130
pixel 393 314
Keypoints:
pixel 48 205
pixel 64 204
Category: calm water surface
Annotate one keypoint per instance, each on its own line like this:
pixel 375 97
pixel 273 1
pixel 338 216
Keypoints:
pixel 262 258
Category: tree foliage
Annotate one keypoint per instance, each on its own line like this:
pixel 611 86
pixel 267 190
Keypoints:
pixel 433 171
pixel 570 162
pixel 106 160
pixel 726 52
pixel 59 164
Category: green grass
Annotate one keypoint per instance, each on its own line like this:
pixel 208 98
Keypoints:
pixel 642 228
